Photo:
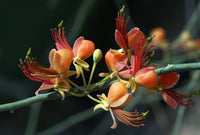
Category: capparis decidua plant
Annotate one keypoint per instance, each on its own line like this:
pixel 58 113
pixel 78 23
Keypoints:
pixel 129 68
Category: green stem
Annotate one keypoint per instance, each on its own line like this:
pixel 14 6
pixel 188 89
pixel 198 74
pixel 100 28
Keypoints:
pixel 33 118
pixel 98 83
pixel 83 76
pixel 103 84
pixel 91 74
pixel 74 84
pixel 76 94
pixel 94 99
pixel 178 68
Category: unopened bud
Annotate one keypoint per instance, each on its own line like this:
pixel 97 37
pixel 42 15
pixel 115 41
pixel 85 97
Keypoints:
pixel 145 114
pixel 28 54
pixel 121 11
pixel 60 24
pixel 152 55
pixel 97 55
pixel 149 39
pixel 197 92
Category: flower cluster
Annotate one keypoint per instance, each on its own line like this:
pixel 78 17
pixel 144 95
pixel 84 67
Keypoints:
pixel 130 65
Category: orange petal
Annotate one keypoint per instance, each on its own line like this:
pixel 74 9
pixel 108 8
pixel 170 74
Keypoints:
pixel 116 92
pixel 44 86
pixel 62 60
pixel 86 49
pixel 113 58
pixel 147 77
pixel 77 44
pixel 169 80
pixel 134 35
pixel 51 55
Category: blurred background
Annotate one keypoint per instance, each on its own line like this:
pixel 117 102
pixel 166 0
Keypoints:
pixel 27 24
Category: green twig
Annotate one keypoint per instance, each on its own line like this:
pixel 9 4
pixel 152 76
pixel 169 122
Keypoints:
pixel 178 68
pixel 33 118
pixel 101 86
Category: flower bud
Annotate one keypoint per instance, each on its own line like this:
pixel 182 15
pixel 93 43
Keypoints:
pixel 97 55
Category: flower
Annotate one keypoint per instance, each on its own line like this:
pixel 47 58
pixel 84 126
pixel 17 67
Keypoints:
pixel 170 96
pixel 82 49
pixel 50 77
pixel 140 72
pixel 118 96
pixel 127 41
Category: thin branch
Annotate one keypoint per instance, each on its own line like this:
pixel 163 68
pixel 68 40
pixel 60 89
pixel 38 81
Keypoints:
pixel 178 68
pixel 103 85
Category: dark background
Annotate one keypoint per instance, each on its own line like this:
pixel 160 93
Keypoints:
pixel 27 24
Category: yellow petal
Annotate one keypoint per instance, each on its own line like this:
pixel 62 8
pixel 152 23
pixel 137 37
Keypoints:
pixel 62 93
pixel 123 81
pixel 81 62
pixel 100 106
pixel 103 74
pixel 70 73
pixel 78 72
pixel 151 90
pixel 134 86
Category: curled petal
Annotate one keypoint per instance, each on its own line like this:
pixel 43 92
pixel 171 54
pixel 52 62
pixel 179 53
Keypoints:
pixel 81 63
pixel 78 71
pixel 60 39
pixel 133 119
pixel 36 72
pixel 151 90
pixel 100 106
pixel 44 86
pixel 178 97
pixel 62 93
pixel 169 80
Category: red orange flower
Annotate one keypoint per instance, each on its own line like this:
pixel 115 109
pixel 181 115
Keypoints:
pixel 118 96
pixel 60 62
pixel 170 96
pixel 127 41
pixel 140 72
pixel 82 49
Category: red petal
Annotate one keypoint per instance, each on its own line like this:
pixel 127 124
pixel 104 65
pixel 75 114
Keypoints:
pixel 120 40
pixel 169 80
pixel 169 100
